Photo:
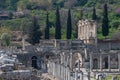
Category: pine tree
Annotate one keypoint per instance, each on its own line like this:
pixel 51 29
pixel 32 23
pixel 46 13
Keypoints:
pixel 94 16
pixel 105 25
pixel 47 27
pixel 34 32
pixel 58 25
pixel 69 26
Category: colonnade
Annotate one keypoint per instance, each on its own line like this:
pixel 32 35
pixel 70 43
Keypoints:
pixel 101 60
pixel 63 72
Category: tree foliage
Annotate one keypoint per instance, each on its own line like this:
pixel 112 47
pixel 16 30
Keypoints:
pixel 58 25
pixel 105 25
pixel 94 16
pixel 34 32
pixel 69 26
pixel 47 27
pixel 6 38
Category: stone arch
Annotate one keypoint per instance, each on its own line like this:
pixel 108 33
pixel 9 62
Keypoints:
pixel 95 63
pixel 34 61
pixel 77 59
pixel 46 56
pixel 49 54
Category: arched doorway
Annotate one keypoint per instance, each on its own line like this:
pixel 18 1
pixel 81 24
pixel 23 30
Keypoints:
pixel 34 62
pixel 77 59
pixel 95 63
pixel 106 62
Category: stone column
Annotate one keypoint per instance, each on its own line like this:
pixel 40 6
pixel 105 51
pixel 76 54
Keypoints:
pixel 55 43
pixel 67 63
pixel 109 62
pixel 49 67
pixel 119 61
pixel 101 62
pixel 81 75
pixel 76 75
pixel 61 56
pixel 60 71
pixel 53 69
pixel 86 53
pixel 85 31
pixel 78 65
pixel 89 75
pixel 71 58
pixel 82 31
pixel 68 73
pixel 56 71
pixel 63 72
pixel 23 43
pixel 91 64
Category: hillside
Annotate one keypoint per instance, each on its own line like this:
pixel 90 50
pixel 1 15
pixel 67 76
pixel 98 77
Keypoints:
pixel 39 7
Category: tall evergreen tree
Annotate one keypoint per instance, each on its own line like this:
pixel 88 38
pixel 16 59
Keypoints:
pixel 105 24
pixel 47 27
pixel 94 16
pixel 34 32
pixel 81 14
pixel 69 26
pixel 58 25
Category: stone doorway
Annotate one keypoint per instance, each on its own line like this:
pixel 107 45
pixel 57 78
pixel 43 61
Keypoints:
pixel 106 62
pixel 34 62
pixel 95 63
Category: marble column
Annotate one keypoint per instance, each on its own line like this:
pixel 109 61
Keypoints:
pixel 65 72
pixel 61 69
pixel 62 72
pixel 119 61
pixel 91 63
pixel 82 31
pixel 64 58
pixel 68 73
pixel 78 65
pixel 85 49
pixel 76 75
pixel 109 62
pixel 81 75
pixel 49 67
pixel 61 55
pixel 101 62
pixel 23 43
pixel 71 58
pixel 53 69
pixel 56 70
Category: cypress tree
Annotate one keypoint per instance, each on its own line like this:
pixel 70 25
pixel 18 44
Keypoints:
pixel 58 25
pixel 34 32
pixel 105 25
pixel 47 27
pixel 94 16
pixel 69 26
pixel 81 14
